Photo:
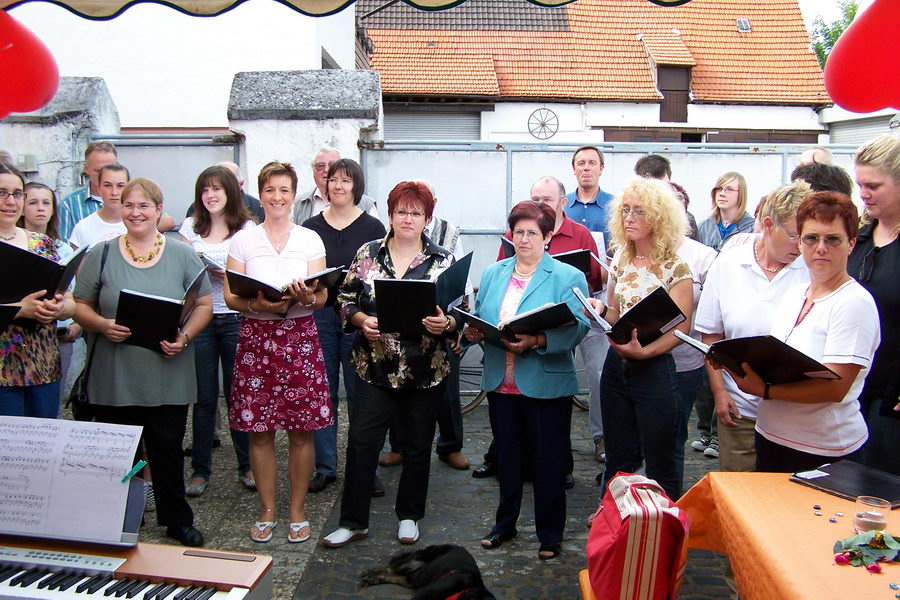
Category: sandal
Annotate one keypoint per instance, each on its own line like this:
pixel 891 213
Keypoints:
pixel 494 540
pixel 261 526
pixel 295 529
pixel 548 551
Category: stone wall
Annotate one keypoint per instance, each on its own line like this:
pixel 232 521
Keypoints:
pixel 57 134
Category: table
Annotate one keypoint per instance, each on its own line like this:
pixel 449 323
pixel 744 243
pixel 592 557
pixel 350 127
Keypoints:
pixel 778 547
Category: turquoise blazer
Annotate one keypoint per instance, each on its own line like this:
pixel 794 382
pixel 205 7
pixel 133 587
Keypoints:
pixel 540 373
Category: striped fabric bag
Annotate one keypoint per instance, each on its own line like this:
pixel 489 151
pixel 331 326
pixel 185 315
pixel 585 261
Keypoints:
pixel 637 548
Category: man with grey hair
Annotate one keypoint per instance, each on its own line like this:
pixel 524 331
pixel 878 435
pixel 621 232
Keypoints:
pixel 314 201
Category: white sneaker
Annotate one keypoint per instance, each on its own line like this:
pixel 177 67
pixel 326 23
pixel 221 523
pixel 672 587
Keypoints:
pixel 343 536
pixel 408 533
pixel 712 451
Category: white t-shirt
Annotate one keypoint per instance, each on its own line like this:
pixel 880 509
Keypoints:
pixel 738 300
pixel 841 328
pixel 253 248
pixel 217 252
pixel 699 258
pixel 739 240
pixel 92 230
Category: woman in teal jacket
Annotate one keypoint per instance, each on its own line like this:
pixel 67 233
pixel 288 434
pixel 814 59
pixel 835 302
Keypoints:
pixel 532 382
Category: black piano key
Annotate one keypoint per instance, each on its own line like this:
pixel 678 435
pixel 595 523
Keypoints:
pixel 207 594
pixel 141 584
pixel 7 572
pixel 60 577
pixel 155 590
pixel 94 587
pixel 131 583
pixel 184 593
pixel 116 587
pixel 32 576
pixel 200 591
pixel 166 591
pixel 21 576
pixel 84 585
pixel 50 579
pixel 70 581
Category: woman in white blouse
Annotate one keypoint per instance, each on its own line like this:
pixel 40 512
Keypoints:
pixel 218 213
pixel 834 320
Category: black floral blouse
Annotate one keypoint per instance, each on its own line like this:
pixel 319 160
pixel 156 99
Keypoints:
pixel 391 361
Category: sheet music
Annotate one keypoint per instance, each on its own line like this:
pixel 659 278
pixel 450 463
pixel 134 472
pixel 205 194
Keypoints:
pixel 64 478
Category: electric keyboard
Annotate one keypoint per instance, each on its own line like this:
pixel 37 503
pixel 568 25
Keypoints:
pixel 46 570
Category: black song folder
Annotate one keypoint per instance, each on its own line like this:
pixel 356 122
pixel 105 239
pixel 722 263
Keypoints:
pixel 653 316
pixel 153 319
pixel 532 322
pixel 25 273
pixel 848 480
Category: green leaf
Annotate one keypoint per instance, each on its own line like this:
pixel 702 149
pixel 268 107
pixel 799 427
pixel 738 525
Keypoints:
pixel 890 541
pixel 838 547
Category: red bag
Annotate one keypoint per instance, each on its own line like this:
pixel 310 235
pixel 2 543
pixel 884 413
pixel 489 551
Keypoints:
pixel 637 548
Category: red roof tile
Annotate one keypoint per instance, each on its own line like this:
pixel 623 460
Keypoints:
pixel 597 54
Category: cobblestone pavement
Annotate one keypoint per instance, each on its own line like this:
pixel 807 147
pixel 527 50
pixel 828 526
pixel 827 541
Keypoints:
pixel 460 510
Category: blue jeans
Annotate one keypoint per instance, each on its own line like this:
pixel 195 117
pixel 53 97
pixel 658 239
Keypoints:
pixel 30 400
pixel 214 345
pixel 688 385
pixel 641 412
pixel 336 350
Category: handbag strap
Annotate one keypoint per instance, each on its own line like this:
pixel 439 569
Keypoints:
pixel 90 358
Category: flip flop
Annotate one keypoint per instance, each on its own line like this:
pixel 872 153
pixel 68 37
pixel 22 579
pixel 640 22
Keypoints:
pixel 296 528
pixel 260 526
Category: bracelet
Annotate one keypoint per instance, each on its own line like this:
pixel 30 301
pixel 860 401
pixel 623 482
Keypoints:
pixel 187 337
pixel 603 314
pixel 766 392
pixel 250 308
pixel 447 325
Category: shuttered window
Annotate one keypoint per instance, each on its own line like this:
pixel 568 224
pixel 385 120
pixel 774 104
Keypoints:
pixel 860 131
pixel 432 125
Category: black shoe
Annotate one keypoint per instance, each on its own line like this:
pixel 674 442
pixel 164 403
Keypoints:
pixel 320 481
pixel 549 551
pixel 377 488
pixel 495 540
pixel 484 470
pixel 188 535
pixel 570 481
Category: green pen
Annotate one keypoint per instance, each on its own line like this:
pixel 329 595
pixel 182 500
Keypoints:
pixel 140 465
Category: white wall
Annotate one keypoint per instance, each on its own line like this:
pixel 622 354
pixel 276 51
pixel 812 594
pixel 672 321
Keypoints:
pixel 509 120
pixel 168 69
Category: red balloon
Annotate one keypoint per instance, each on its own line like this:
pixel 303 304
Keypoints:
pixel 28 72
pixel 862 73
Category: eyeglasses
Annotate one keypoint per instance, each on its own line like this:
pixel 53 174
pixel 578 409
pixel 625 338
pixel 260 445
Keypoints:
pixel 729 189
pixel 322 166
pixel 868 265
pixel 636 212
pixel 415 214
pixel 831 240
pixel 18 194
pixel 792 237
pixel 142 207
pixel 342 181
pixel 521 233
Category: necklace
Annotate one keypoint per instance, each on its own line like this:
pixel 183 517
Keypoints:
pixel 640 256
pixel 10 238
pixel 278 243
pixel 762 266
pixel 141 257
pixel 520 273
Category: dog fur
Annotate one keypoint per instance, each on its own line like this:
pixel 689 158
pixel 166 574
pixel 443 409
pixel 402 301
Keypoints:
pixel 436 573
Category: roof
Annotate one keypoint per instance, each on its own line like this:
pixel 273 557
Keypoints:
pixel 601 50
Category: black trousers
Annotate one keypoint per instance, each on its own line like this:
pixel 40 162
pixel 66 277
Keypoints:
pixel 370 416
pixel 532 432
pixel 775 458
pixel 163 437
pixel 449 416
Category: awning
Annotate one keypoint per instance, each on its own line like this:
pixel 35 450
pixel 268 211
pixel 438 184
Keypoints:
pixel 109 9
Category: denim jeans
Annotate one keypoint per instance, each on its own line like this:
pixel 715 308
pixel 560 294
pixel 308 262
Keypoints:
pixel 214 345
pixel 30 400
pixel 641 418
pixel 689 383
pixel 336 349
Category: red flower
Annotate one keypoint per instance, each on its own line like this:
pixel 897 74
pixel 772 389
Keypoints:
pixel 873 568
pixel 841 559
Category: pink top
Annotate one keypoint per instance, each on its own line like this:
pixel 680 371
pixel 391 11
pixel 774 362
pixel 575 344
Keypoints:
pixel 253 248
pixel 514 292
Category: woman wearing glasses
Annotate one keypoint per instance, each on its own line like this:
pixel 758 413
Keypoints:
pixel 729 211
pixel 394 373
pixel 638 387
pixel 530 385
pixel 875 263
pixel 29 354
pixel 834 320
pixel 762 271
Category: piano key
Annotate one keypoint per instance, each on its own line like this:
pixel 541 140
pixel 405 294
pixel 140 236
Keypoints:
pixel 200 591
pixel 97 585
pixel 8 571
pixel 51 579
pixel 206 595
pixel 21 576
pixel 155 590
pixel 137 589
pixel 166 591
pixel 31 576
pixel 183 594
pixel 131 583
pixel 69 581
pixel 119 584
pixel 84 584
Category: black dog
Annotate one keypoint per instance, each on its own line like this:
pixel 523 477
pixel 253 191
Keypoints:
pixel 436 573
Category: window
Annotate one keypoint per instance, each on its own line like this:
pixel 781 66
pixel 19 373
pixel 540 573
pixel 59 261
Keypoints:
pixel 432 125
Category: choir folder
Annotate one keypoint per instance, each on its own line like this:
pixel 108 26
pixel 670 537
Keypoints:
pixel 153 319
pixel 773 360
pixel 248 287
pixel 26 272
pixel 653 316
pixel 542 318
pixel 848 480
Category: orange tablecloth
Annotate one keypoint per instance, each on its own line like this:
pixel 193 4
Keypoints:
pixel 778 547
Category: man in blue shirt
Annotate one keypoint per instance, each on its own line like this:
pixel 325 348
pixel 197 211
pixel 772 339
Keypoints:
pixel 86 201
pixel 588 203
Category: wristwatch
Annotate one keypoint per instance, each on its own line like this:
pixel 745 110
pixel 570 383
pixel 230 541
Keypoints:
pixel 187 337
pixel 447 324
